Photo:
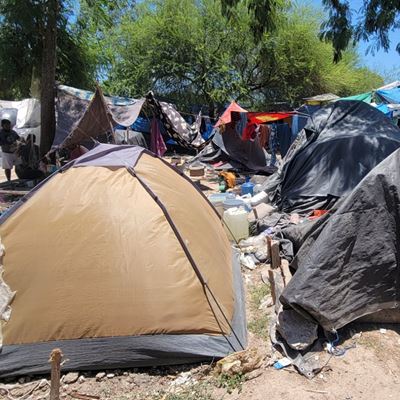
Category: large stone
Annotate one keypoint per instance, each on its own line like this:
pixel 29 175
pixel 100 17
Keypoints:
pixel 71 377
pixel 100 376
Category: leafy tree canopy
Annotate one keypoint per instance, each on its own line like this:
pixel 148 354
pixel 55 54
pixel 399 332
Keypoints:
pixel 186 51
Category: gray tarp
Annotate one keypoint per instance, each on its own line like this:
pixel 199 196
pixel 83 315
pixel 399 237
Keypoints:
pixel 248 153
pixel 340 144
pixel 80 119
pixel 348 266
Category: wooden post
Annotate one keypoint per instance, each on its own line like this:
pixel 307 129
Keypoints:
pixel 55 360
pixel 275 256
pixel 287 276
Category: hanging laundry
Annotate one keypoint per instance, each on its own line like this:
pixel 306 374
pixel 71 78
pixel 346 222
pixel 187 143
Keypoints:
pixel 284 135
pixel 273 144
pixel 158 146
pixel 264 135
pixel 249 132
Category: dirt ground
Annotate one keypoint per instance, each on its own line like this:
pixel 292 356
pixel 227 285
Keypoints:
pixel 370 369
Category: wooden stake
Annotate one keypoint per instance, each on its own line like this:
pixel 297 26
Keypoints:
pixel 275 256
pixel 55 360
pixel 287 276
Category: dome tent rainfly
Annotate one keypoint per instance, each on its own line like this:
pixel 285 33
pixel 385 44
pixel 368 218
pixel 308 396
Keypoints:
pixel 113 265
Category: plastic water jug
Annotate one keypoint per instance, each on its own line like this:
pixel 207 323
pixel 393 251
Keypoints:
pixel 247 187
pixel 217 200
pixel 237 224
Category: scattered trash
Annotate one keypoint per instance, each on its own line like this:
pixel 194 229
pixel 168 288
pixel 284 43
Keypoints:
pixel 247 261
pixel 356 336
pixel 331 347
pixel 283 363
pixel 383 331
pixel 240 363
pixel 185 378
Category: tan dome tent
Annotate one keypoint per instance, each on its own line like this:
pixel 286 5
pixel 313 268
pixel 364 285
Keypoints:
pixel 120 261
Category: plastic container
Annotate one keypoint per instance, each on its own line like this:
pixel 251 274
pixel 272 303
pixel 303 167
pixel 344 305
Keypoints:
pixel 217 200
pixel 233 203
pixel 257 188
pixel 237 224
pixel 259 198
pixel 247 187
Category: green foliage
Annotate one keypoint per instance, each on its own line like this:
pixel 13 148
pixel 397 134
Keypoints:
pixel 187 52
pixel 343 26
pixel 372 22
pixel 258 323
pixel 231 382
pixel 183 50
pixel 21 42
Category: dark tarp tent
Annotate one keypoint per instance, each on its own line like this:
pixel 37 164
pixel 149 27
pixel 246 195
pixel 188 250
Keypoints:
pixel 348 263
pixel 340 144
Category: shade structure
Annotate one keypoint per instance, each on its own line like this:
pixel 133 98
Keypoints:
pixel 119 261
pixel 226 117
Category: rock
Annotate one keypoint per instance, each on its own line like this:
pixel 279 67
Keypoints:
pixel 254 374
pixel 125 373
pixel 110 376
pixel 100 376
pixel 21 381
pixel 81 379
pixel 71 377
pixel 383 331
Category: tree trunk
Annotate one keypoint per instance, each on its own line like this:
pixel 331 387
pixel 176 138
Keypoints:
pixel 48 77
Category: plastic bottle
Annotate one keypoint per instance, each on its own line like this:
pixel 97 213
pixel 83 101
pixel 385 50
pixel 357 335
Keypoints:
pixel 237 223
pixel 247 187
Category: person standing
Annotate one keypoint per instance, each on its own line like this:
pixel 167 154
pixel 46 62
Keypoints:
pixel 9 143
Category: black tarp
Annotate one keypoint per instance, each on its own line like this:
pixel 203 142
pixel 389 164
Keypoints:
pixel 245 155
pixel 340 144
pixel 348 264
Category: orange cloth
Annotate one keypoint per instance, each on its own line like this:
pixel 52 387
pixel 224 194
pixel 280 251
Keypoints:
pixel 230 179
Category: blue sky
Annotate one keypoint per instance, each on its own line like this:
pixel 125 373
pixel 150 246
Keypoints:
pixel 383 62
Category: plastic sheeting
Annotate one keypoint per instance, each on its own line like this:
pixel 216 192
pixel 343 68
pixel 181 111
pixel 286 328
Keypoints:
pixel 367 97
pixel 340 144
pixel 248 153
pixel 226 117
pixel 353 260
pixel 80 119
pixel 390 95
pixel 25 116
